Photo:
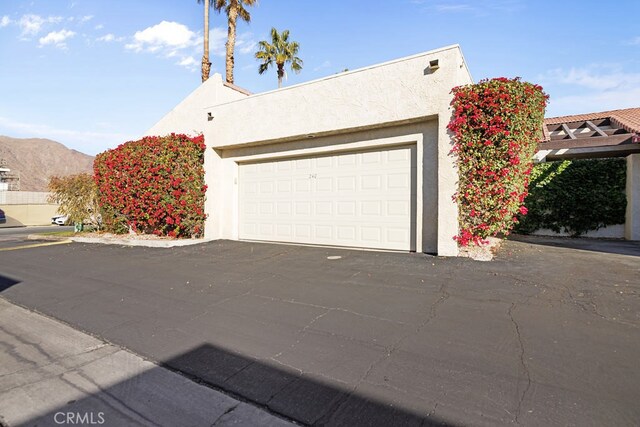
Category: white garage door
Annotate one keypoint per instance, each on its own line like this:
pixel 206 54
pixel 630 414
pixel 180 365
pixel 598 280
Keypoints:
pixel 360 199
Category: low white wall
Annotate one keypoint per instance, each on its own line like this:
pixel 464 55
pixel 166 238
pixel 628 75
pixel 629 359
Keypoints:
pixel 632 227
pixel 23 198
pixel 615 231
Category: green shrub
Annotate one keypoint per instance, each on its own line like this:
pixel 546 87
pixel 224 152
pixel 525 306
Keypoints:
pixel 575 196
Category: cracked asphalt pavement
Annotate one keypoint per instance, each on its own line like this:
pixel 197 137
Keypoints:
pixel 543 335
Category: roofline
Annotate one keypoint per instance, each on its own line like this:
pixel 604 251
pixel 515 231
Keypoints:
pixel 572 117
pixel 237 88
pixel 358 70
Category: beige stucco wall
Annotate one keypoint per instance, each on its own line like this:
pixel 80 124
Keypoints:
pixel 189 116
pixel 29 214
pixel 632 225
pixel 398 102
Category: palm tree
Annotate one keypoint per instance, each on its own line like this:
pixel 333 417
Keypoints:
pixel 206 65
pixel 234 9
pixel 280 52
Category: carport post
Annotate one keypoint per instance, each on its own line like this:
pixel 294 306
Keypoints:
pixel 632 222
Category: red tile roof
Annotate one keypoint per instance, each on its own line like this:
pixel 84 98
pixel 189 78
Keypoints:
pixel 628 119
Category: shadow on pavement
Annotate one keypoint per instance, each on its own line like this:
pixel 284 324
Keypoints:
pixel 305 400
pixel 7 282
pixel 610 246
pixel 11 222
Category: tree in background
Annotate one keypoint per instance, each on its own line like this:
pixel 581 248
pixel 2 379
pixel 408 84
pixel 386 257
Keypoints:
pixel 206 64
pixel 280 51
pixel 234 9
pixel 77 197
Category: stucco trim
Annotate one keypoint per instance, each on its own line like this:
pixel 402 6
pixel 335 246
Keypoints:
pixel 324 134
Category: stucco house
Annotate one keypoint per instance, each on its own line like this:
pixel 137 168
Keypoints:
pixel 357 159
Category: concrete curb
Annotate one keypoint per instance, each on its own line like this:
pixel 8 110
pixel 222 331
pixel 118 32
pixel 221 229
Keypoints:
pixel 122 242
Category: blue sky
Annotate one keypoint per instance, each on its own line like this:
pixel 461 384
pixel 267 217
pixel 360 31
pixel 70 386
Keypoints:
pixel 92 74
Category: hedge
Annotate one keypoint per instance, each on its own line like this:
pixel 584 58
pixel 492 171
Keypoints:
pixel 497 125
pixel 154 185
pixel 575 196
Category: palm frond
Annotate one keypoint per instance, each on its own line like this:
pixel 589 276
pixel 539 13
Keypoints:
pixel 218 5
pixel 280 52
pixel 263 67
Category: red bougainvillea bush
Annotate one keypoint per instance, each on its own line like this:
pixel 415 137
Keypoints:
pixel 154 185
pixel 497 125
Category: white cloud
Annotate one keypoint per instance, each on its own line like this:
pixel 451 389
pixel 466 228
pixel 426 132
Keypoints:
pixel 85 18
pixel 597 87
pixel 325 64
pixel 175 40
pixel 32 24
pixel 109 38
pixel 633 42
pixel 57 38
pixel 478 8
pixel 190 63
pixel 217 41
pixel 598 77
pixel 245 43
pixel 4 21
pixel 165 37
pixel 98 27
pixel 460 7
pixel 187 61
pixel 106 38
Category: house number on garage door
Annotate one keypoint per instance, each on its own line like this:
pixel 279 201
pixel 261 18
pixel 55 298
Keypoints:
pixel 313 175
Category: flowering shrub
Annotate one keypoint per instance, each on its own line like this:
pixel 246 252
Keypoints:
pixel 497 125
pixel 153 185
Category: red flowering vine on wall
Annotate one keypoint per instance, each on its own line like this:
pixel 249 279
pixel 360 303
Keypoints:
pixel 153 185
pixel 497 125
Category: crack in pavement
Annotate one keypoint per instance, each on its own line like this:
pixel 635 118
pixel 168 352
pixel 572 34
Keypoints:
pixel 306 304
pixel 522 362
pixel 444 295
pixel 46 377
pixel 228 411
pixel 302 333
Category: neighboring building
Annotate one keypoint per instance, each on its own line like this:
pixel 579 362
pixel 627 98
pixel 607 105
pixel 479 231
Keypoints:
pixel 596 135
pixel 8 181
pixel 358 159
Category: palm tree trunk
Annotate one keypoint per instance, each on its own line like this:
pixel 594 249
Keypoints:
pixel 280 74
pixel 206 65
pixel 231 39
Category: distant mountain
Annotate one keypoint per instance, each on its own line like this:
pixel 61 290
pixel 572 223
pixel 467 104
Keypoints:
pixel 38 159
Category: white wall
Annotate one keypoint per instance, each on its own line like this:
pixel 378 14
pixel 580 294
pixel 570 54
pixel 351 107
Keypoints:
pixel 189 116
pixel 397 101
pixel 615 231
pixel 632 226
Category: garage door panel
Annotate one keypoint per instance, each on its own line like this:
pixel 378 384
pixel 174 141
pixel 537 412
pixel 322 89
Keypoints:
pixel 354 199
pixel 324 184
pixel 324 208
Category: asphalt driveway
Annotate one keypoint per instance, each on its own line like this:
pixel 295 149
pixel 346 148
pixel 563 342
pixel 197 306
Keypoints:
pixel 544 335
